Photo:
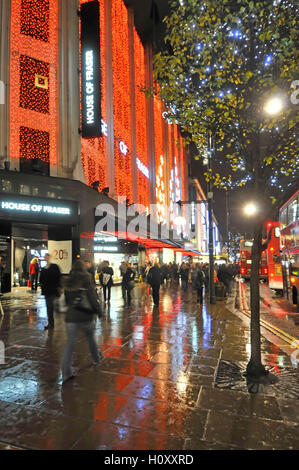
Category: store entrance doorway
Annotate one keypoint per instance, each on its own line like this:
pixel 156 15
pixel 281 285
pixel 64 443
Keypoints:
pixel 24 251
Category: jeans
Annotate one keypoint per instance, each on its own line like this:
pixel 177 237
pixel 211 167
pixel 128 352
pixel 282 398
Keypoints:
pixel 105 292
pixel 33 281
pixel 50 309
pixel 72 333
pixel 126 290
pixel 156 296
pixel 199 294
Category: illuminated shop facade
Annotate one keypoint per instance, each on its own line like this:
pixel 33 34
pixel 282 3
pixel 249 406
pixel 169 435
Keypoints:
pixel 59 81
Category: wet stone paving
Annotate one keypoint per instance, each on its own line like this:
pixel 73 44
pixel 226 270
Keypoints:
pixel 162 384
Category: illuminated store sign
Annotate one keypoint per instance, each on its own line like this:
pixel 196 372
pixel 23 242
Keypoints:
pixel 160 191
pixel 38 210
pixel 18 206
pixel 105 248
pixel 124 149
pixel 142 168
pixel 90 69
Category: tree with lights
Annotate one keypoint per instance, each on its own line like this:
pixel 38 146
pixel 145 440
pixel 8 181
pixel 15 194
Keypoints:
pixel 228 68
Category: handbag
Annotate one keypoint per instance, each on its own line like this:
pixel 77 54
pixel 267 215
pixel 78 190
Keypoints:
pixel 106 278
pixel 82 302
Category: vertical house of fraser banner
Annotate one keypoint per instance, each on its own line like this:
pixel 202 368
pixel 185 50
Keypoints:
pixel 90 70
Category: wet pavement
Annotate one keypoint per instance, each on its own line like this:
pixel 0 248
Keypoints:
pixel 159 386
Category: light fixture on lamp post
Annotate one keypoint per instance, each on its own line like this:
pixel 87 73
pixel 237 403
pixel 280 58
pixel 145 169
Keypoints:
pixel 250 209
pixel 273 106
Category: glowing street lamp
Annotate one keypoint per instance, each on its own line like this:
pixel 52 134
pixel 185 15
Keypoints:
pixel 250 209
pixel 274 106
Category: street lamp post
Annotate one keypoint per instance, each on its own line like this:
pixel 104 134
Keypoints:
pixel 210 212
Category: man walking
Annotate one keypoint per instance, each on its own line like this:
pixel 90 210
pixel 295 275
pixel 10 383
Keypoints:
pixel 199 283
pixel 184 274
pixel 154 278
pixel 127 284
pixel 106 280
pixel 50 278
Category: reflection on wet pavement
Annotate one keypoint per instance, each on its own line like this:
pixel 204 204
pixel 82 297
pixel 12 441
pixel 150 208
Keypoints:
pixel 156 387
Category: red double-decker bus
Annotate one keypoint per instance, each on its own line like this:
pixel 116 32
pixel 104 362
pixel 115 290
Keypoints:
pixel 245 260
pixel 289 248
pixel 273 258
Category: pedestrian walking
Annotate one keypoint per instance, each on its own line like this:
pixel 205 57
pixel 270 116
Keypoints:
pixel 154 278
pixel 106 280
pixel 33 273
pixel 90 269
pixel 199 284
pixel 225 276
pixel 174 273
pixel 50 278
pixel 127 284
pixel 82 305
pixel 206 271
pixel 184 274
pixel 164 273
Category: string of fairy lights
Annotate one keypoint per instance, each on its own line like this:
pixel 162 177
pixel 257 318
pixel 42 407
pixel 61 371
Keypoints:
pixel 34 73
pixel 34 113
pixel 222 74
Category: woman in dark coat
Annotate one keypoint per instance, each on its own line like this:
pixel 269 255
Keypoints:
pixel 106 280
pixel 77 317
pixel 127 282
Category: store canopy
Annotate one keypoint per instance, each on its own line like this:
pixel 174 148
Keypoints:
pixel 114 226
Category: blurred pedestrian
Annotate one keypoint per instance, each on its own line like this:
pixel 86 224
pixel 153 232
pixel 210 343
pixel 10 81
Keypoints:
pixel 184 274
pixel 50 278
pixel 90 269
pixel 82 307
pixel 106 280
pixel 164 273
pixel 199 284
pixel 206 271
pixel 127 284
pixel 33 273
pixel 174 272
pixel 154 278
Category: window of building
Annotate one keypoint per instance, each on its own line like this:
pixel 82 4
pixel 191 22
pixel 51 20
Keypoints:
pixel 35 19
pixel 34 84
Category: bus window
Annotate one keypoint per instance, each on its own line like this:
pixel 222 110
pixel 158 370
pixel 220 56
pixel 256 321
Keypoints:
pixel 293 211
pixel 283 218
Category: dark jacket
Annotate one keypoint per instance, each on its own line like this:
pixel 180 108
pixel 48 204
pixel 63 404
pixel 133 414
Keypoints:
pixel 71 284
pixel 50 280
pixel 128 276
pixel 184 273
pixel 199 280
pixel 154 277
pixel 106 270
pixel 224 275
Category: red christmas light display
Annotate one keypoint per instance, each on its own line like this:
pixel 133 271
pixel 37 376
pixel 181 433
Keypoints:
pixel 35 19
pixel 34 80
pixel 121 100
pixel 143 186
pixel 160 161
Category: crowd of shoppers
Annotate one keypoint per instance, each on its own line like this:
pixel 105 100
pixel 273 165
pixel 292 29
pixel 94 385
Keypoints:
pixel 82 298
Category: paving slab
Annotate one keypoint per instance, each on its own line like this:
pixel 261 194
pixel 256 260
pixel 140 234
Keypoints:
pixel 171 379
